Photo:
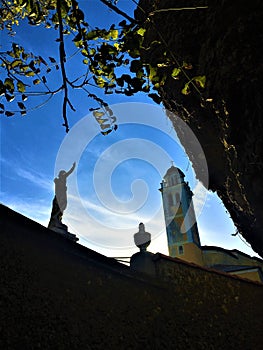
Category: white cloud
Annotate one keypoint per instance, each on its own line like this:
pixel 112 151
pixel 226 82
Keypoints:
pixel 100 227
pixel 38 211
pixel 36 178
pixel 29 174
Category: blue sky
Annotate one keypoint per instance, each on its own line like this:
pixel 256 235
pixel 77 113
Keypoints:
pixel 115 185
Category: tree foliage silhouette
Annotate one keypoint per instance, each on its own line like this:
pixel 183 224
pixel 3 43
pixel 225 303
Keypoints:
pixel 101 53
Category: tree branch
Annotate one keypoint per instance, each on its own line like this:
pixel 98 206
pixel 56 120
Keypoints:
pixel 117 10
pixel 62 57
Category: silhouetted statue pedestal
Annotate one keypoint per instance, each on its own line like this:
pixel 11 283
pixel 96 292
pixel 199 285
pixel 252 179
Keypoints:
pixel 59 205
pixel 143 260
pixel 55 223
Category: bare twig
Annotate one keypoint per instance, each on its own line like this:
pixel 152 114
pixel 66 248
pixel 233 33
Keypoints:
pixel 178 9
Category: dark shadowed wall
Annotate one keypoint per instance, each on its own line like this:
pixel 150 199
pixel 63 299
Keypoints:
pixel 56 294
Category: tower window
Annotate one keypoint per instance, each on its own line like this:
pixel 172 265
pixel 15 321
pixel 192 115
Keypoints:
pixel 175 180
pixel 181 250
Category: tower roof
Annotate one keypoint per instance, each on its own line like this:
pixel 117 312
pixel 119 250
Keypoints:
pixel 174 170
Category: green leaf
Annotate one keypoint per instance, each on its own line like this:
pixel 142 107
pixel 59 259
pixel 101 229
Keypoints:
pixel 134 52
pixel 21 105
pixel 29 74
pixel 79 43
pixel 25 55
pixel 186 89
pixel 64 9
pixel 146 88
pixel 11 54
pixel 9 84
pixel 55 18
pixel 52 59
pixel 101 121
pixel 16 50
pixel 153 73
pixel 36 81
pixel 23 3
pixel 85 52
pixel 16 63
pixel 32 65
pixel 156 98
pixel 200 80
pixel 120 81
pixel 20 86
pixel 92 35
pixel 117 46
pixel 104 126
pixel 9 114
pixel 106 132
pixel 187 65
pixel 100 82
pixel 80 15
pixel 92 52
pixel 176 72
pixel 9 98
pixel 141 31
pixel 98 114
pixel 78 37
pixel 123 23
pixel 114 33
pixel 42 60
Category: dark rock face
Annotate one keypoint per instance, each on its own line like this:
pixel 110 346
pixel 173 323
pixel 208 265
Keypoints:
pixel 223 43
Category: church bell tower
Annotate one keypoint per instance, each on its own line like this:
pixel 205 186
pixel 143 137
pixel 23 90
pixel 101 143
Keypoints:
pixel 181 227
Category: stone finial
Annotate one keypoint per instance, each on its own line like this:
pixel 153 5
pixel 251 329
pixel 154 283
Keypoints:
pixel 142 239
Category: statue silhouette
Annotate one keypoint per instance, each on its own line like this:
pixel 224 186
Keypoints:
pixel 60 200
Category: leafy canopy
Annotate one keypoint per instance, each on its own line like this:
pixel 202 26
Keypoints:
pixel 103 53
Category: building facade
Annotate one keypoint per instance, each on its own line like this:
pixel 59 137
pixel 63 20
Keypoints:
pixel 183 236
pixel 182 231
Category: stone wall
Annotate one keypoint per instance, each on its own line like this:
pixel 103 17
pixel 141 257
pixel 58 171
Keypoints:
pixel 56 294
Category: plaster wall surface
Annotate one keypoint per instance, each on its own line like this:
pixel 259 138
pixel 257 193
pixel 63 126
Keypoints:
pixel 56 294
